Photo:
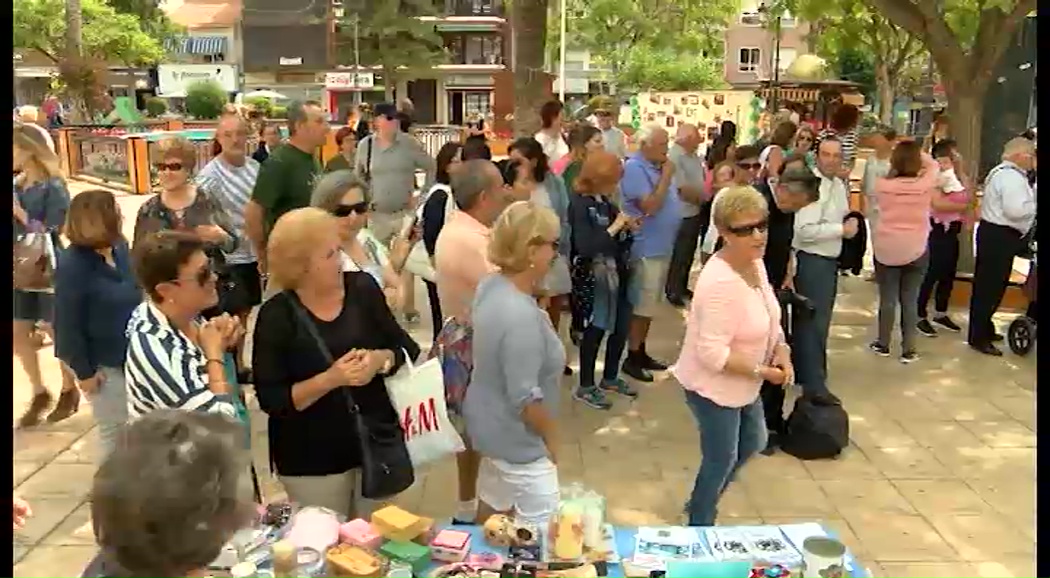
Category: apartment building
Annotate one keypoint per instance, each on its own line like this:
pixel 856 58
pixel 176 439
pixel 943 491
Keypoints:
pixel 750 45
pixel 211 49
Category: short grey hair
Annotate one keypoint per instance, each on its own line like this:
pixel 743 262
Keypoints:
pixel 297 113
pixel 472 179
pixel 172 492
pixel 330 189
pixel 647 132
pixel 801 180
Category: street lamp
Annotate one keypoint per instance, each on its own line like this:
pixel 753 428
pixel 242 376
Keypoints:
pixel 775 92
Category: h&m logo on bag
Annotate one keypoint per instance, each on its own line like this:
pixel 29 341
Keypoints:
pixel 420 420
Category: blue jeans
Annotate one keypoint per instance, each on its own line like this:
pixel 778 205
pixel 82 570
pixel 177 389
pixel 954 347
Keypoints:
pixel 816 278
pixel 729 436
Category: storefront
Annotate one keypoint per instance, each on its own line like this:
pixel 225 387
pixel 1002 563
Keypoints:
pixel 466 96
pixel 344 90
pixel 174 79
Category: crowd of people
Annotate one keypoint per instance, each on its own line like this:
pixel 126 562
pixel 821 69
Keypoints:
pixel 293 278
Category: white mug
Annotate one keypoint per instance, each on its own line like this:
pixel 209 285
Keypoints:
pixel 823 557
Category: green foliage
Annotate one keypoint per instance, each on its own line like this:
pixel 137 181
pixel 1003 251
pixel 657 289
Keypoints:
pixel 386 37
pixel 667 71
pixel 612 30
pixel 858 66
pixel 156 106
pixel 108 35
pixel 263 105
pixel 205 99
pixel 279 112
pixel 152 19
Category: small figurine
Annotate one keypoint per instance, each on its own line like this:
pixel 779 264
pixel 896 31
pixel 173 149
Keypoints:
pixel 502 532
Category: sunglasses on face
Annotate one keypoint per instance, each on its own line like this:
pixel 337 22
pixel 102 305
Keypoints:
pixel 202 276
pixel 750 166
pixel 748 230
pixel 173 167
pixel 347 210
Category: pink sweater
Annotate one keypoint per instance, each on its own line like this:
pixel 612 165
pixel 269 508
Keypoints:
pixel 558 166
pixel 727 316
pixel 903 226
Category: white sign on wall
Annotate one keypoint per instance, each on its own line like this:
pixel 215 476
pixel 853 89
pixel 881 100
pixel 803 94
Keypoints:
pixel 176 78
pixel 349 80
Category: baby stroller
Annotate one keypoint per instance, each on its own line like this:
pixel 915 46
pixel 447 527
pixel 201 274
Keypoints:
pixel 1021 334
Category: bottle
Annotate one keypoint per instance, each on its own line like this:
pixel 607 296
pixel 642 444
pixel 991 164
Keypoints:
pixel 285 559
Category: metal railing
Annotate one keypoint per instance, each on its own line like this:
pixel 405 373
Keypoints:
pixel 434 136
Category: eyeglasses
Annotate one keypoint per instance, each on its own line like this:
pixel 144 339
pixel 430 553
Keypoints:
pixel 347 210
pixel 202 276
pixel 750 166
pixel 748 230
pixel 173 167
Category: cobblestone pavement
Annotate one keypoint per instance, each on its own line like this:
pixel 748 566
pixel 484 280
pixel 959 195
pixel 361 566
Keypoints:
pixel 939 479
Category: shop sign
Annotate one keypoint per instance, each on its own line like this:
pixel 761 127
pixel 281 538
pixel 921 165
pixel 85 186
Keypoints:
pixel 349 80
pixel 176 78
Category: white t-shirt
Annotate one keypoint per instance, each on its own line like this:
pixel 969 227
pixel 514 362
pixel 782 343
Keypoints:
pixel 711 238
pixel 554 147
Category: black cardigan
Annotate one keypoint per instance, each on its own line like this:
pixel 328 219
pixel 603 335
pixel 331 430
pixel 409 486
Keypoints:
pixel 318 440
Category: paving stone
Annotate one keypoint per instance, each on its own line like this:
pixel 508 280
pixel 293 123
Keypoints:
pixel 54 481
pixel 50 561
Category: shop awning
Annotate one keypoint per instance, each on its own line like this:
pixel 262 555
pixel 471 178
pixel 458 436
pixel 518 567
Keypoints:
pixel 200 45
pixel 791 94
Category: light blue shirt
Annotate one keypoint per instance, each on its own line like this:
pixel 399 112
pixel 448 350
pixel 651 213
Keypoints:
pixel 657 234
pixel 1008 198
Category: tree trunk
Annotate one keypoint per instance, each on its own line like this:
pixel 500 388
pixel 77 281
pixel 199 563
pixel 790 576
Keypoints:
pixel 965 112
pixel 530 80
pixel 78 95
pixel 887 94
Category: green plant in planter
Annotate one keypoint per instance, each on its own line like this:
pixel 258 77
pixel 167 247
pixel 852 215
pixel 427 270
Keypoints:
pixel 156 106
pixel 262 105
pixel 279 112
pixel 205 99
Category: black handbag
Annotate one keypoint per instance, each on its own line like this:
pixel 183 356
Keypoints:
pixel 386 467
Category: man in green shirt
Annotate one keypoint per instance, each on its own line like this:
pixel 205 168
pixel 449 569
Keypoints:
pixel 287 178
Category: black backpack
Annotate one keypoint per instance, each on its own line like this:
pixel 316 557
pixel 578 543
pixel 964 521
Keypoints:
pixel 817 429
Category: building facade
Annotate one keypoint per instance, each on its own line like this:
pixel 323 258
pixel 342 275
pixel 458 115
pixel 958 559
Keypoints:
pixel 750 45
pixel 211 49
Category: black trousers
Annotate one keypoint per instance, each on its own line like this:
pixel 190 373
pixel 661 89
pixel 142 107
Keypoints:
pixel 997 245
pixel 944 262
pixel 773 395
pixel 682 256
pixel 435 306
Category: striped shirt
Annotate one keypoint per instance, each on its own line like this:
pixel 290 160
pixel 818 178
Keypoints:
pixel 232 187
pixel 165 370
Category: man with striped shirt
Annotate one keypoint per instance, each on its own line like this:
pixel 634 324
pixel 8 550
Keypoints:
pixel 229 179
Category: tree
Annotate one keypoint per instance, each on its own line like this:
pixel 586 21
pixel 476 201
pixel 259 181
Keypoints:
pixel 529 25
pixel 152 19
pixel 664 70
pixel 104 36
pixel 967 39
pixel 205 99
pixel 390 35
pixel 847 31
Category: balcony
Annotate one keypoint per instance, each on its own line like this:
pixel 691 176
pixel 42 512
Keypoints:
pixel 486 8
pixel 475 49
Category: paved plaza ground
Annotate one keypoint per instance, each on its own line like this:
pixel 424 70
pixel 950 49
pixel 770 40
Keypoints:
pixel 939 479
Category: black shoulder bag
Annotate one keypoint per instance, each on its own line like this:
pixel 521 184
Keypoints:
pixel 386 467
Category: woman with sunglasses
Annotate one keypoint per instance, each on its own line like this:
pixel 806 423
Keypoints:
pixel 733 342
pixel 182 206
pixel 175 359
pixel 344 196
pixel 548 190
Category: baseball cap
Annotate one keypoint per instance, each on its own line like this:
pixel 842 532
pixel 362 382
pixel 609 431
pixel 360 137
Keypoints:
pixel 387 109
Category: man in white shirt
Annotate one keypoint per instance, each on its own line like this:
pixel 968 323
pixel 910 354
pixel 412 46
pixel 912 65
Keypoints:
pixel 819 230
pixel 689 174
pixel 1007 215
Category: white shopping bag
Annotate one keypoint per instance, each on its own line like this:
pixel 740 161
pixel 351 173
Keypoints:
pixel 418 395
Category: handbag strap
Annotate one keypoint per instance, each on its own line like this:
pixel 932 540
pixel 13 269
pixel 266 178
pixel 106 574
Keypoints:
pixel 311 328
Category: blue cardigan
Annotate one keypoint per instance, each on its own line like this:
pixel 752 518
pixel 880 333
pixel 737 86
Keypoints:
pixel 559 196
pixel 93 303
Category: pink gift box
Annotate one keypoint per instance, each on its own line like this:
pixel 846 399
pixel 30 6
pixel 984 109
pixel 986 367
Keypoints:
pixel 486 561
pixel 360 533
pixel 450 546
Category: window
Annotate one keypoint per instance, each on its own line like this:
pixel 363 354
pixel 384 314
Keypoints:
pixel 750 59
pixel 475 49
pixel 479 103
pixel 751 18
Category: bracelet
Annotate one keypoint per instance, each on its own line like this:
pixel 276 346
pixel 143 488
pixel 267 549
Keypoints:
pixel 219 361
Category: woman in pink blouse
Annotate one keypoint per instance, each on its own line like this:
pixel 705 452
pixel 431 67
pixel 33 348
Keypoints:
pixel 733 342
pixel 904 198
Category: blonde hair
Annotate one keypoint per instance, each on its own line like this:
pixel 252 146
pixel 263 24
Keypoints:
pixel 293 238
pixel 28 113
pixel 735 201
pixel 522 225
pixel 180 148
pixel 29 140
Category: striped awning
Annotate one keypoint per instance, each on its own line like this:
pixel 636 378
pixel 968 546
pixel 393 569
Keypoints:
pixel 201 45
pixel 791 94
